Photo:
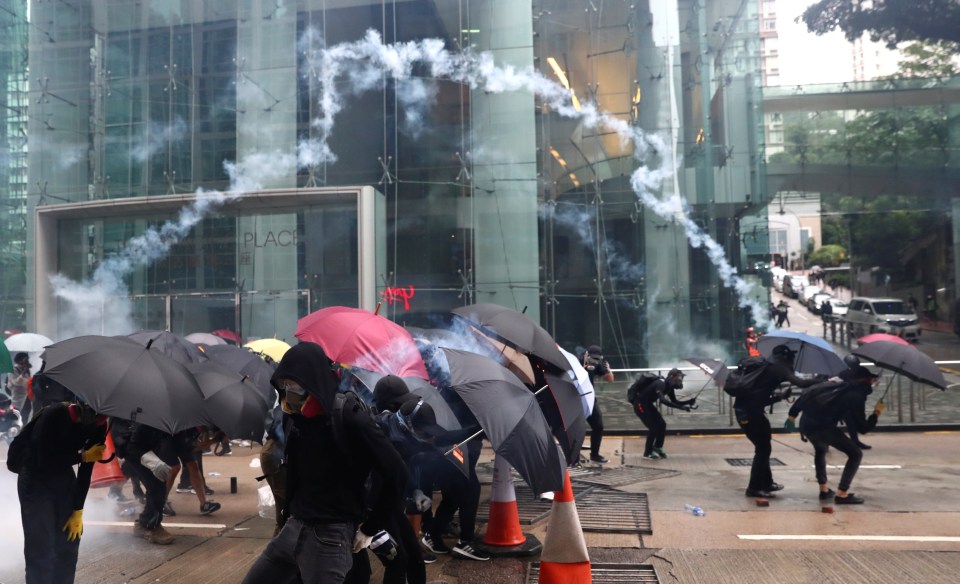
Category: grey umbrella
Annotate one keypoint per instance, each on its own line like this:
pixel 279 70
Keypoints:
pixel 178 348
pixel 515 329
pixel 120 377
pixel 510 417
pixel 245 362
pixel 419 387
pixel 904 359
pixel 230 401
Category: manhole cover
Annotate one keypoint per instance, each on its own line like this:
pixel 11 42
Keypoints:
pixel 607 573
pixel 530 508
pixel 625 475
pixel 749 462
pixel 609 511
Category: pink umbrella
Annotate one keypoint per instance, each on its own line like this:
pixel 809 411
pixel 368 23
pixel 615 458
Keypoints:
pixel 360 338
pixel 227 335
pixel 882 337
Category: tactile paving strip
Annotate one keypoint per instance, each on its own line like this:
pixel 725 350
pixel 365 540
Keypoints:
pixel 749 462
pixel 609 511
pixel 625 475
pixel 607 573
pixel 530 508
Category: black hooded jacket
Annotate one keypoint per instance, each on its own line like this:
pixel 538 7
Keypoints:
pixel 326 484
pixel 390 393
pixel 770 379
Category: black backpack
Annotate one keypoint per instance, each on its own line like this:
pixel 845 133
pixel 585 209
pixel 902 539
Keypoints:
pixel 821 399
pixel 636 389
pixel 19 452
pixel 742 381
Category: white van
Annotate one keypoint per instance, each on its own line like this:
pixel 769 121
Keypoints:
pixel 882 315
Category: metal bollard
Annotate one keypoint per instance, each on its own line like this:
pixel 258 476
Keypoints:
pixel 233 485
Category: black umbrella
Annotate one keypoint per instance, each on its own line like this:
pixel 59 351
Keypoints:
pixel 563 409
pixel 245 362
pixel 515 329
pixel 716 370
pixel 230 401
pixel 509 415
pixel 177 348
pixel 904 359
pixel 120 377
pixel 419 387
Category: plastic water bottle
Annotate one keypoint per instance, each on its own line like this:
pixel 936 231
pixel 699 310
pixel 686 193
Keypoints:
pixel 694 510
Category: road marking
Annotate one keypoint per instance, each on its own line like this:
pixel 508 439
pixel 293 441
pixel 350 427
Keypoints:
pixel 165 524
pixel 913 538
pixel 943 432
pixel 873 466
pixel 716 435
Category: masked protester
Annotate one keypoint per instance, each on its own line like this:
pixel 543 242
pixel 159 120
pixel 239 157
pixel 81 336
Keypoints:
pixel 748 409
pixel 645 406
pixel 51 495
pixel 332 445
pixel 597 368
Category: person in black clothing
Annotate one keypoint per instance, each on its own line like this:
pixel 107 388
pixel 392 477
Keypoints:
pixel 597 368
pixel 328 462
pixel 51 495
pixel 149 454
pixel 852 362
pixel 819 424
pixel 645 406
pixel 752 419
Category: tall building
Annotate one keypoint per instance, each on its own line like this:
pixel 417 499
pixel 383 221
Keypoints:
pixel 441 190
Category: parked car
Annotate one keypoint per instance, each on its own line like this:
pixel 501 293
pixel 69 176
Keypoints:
pixel 816 302
pixel 808 293
pixel 882 315
pixel 839 306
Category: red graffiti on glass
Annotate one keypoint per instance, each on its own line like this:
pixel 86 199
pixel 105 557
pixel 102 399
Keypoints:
pixel 394 294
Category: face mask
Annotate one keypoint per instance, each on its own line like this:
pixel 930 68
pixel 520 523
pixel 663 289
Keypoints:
pixel 294 395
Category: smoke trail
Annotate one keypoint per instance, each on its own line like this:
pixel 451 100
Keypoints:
pixel 580 219
pixel 365 61
pixel 101 305
pixel 157 137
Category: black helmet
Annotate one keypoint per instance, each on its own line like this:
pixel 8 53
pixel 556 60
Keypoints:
pixel 783 351
pixel 851 361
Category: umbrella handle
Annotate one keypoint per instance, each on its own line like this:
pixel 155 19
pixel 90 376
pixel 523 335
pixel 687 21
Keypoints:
pixel 889 384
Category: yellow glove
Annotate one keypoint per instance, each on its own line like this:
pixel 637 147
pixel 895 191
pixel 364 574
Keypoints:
pixel 878 409
pixel 94 453
pixel 74 525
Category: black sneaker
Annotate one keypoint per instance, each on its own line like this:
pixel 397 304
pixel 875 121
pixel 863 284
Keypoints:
pixel 186 490
pixel 774 487
pixel 660 452
pixel 428 558
pixel 759 493
pixel 168 510
pixel 652 456
pixel 465 549
pixel 850 499
pixel 435 547
pixel 594 458
pixel 209 507
pixel 826 496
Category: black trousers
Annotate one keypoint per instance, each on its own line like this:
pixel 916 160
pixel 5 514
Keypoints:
pixel 822 439
pixel 656 426
pixel 459 493
pixel 595 419
pixel 156 495
pixel 46 502
pixel 757 428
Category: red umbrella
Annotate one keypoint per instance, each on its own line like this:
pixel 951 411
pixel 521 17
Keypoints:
pixel 352 336
pixel 882 337
pixel 227 335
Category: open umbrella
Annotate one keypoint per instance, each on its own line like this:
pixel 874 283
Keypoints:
pixel 273 348
pixel 510 417
pixel 515 329
pixel 205 339
pixel 716 370
pixel 242 361
pixel 27 343
pixel 177 348
pixel 563 410
pixel 814 355
pixel 904 359
pixel 882 337
pixel 584 385
pixel 119 377
pixel 230 401
pixel 360 338
pixel 227 335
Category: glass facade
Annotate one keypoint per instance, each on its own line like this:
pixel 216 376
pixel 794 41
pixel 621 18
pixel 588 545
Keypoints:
pixel 489 196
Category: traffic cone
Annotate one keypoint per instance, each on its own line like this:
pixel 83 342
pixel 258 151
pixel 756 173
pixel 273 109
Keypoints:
pixel 107 474
pixel 564 559
pixel 503 527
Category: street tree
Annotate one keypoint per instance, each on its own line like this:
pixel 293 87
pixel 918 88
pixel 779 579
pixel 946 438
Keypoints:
pixel 888 21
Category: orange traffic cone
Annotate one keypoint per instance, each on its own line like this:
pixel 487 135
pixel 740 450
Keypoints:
pixel 564 559
pixel 107 474
pixel 503 528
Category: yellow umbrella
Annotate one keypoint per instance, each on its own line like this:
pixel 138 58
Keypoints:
pixel 273 348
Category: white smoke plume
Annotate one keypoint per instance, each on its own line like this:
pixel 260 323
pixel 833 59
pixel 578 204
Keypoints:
pixel 581 220
pixel 156 137
pixel 363 63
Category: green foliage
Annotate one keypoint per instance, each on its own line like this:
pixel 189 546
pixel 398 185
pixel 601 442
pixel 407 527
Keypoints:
pixel 828 256
pixel 925 60
pixel 889 21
